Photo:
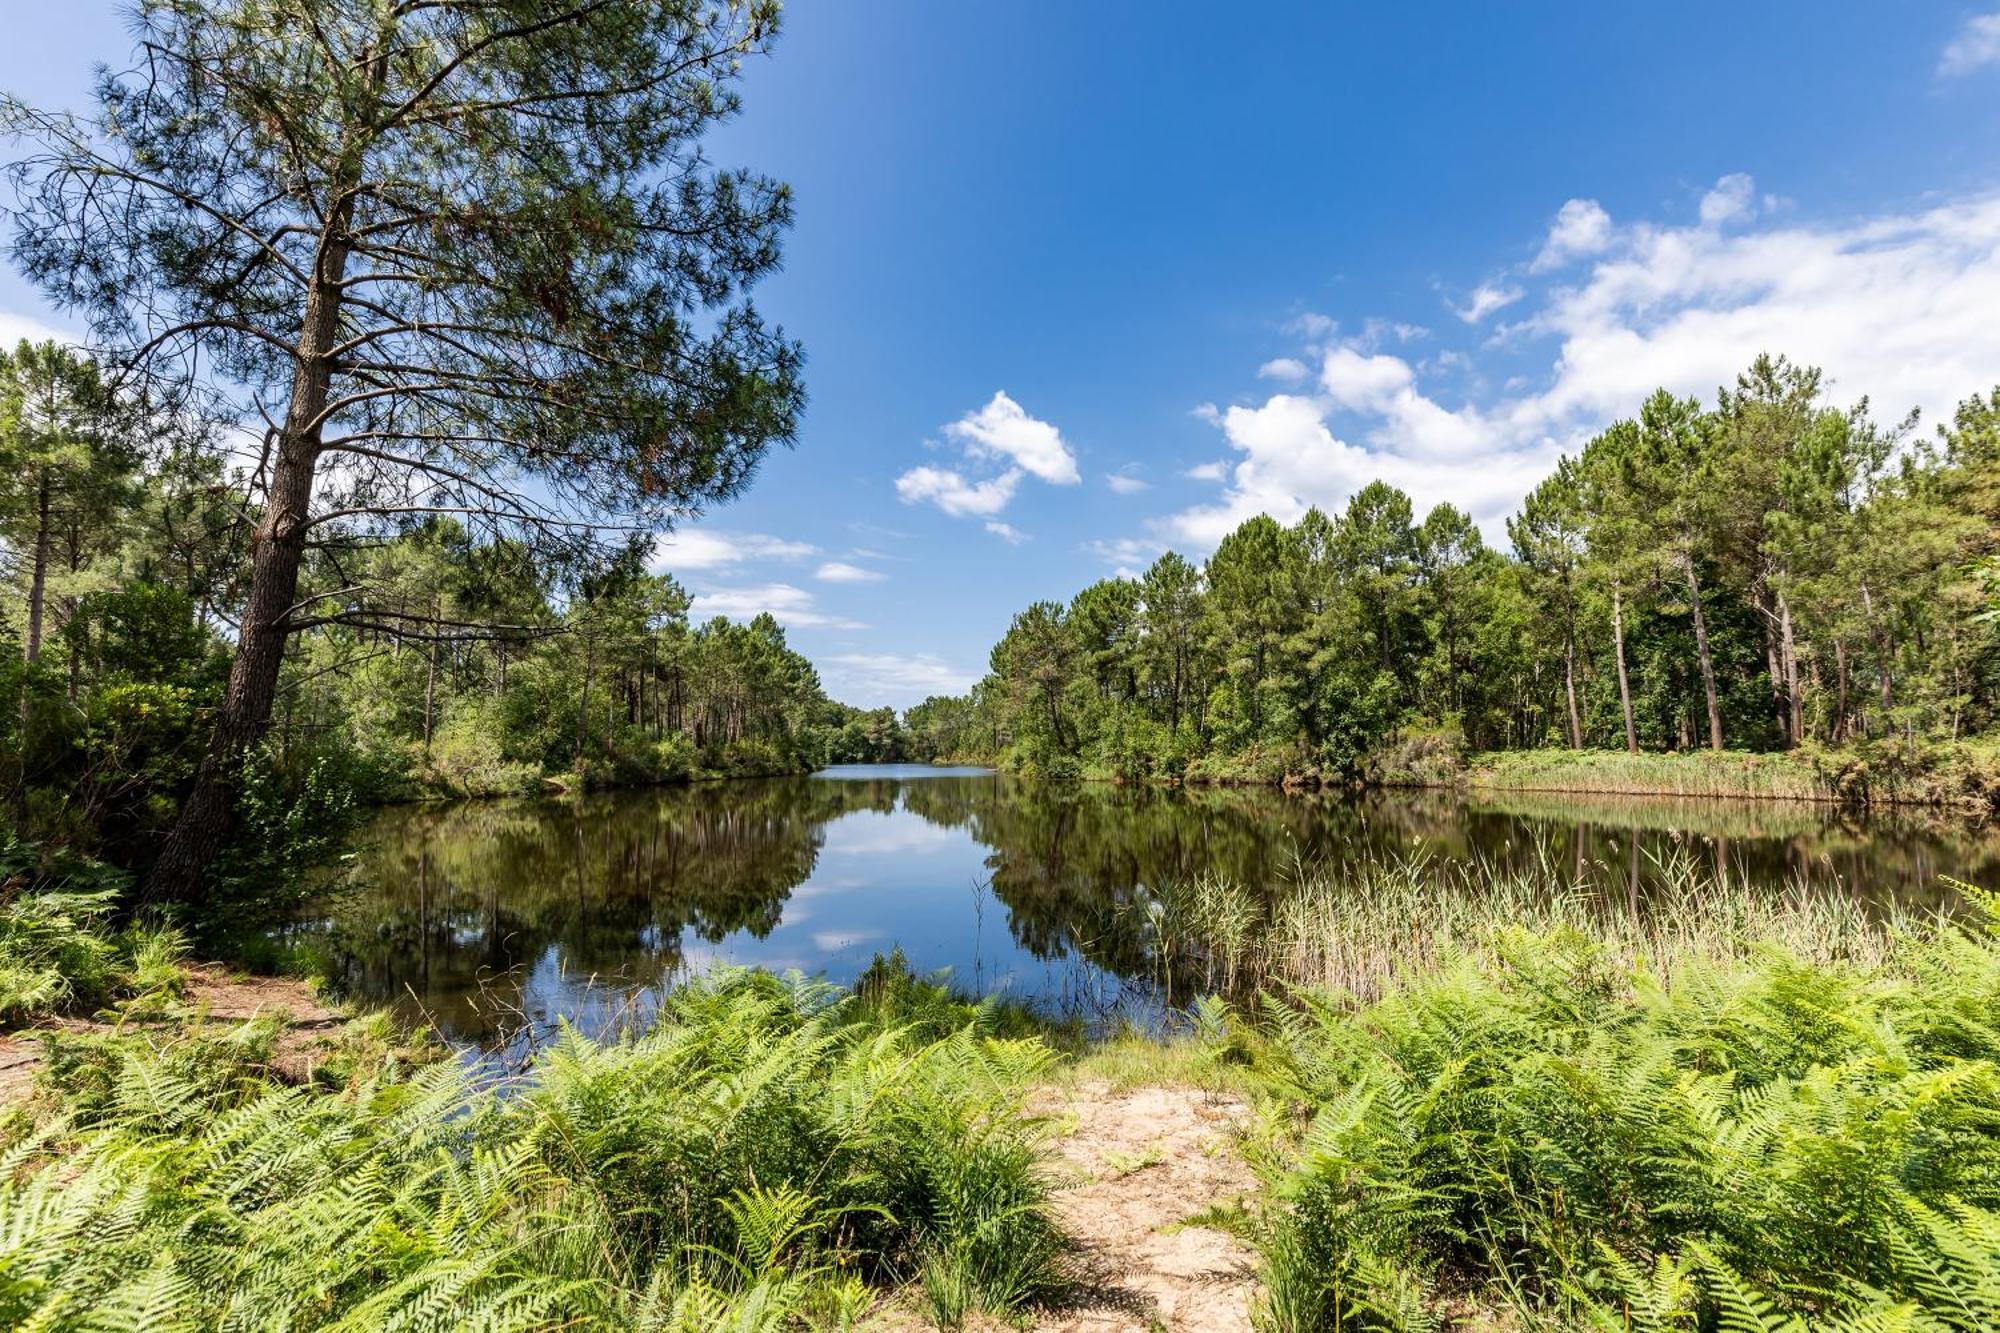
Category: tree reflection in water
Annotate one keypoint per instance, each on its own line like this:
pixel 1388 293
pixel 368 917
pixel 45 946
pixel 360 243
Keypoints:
pixel 496 919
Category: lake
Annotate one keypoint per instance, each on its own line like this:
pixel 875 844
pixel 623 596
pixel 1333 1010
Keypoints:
pixel 495 919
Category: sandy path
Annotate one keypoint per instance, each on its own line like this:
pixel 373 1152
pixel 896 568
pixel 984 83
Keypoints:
pixel 1138 1164
pixel 220 997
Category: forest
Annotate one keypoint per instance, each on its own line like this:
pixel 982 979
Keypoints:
pixel 1770 573
pixel 469 669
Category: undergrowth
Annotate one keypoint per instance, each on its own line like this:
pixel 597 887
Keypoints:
pixel 1759 1141
pixel 61 948
pixel 768 1156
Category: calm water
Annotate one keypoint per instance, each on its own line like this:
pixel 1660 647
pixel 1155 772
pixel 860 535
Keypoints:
pixel 496 919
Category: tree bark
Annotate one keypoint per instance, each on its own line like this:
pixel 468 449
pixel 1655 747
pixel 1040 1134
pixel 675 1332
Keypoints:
pixel 1707 662
pixel 1788 653
pixel 277 547
pixel 1624 681
pixel 1569 688
pixel 38 582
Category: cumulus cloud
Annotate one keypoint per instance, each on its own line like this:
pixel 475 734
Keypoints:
pixel 1213 471
pixel 707 548
pixel 793 607
pixel 1733 199
pixel 951 492
pixel 1581 228
pixel 840 571
pixel 1002 430
pixel 16 328
pixel 1487 298
pixel 1896 307
pixel 898 680
pixel 1128 555
pixel 1975 46
pixel 1124 483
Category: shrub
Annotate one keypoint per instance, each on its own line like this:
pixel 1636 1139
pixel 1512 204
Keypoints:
pixel 764 1155
pixel 1761 1143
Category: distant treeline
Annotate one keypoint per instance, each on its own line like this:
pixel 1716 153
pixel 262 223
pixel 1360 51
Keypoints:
pixel 1770 572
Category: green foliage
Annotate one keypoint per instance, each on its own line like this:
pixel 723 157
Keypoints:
pixel 762 1159
pixel 286 831
pixel 1772 573
pixel 1760 1142
pixel 60 949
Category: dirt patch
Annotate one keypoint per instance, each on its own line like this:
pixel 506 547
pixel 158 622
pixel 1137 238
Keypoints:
pixel 1139 1164
pixel 215 995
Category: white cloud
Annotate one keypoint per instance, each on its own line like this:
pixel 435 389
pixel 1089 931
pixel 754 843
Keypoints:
pixel 792 606
pixel 1487 298
pixel 1002 430
pixel 1581 228
pixel 1288 368
pixel 951 492
pixel 1128 553
pixel 706 548
pixel 871 680
pixel 1896 307
pixel 1006 532
pixel 1733 199
pixel 1124 483
pixel 839 571
pixel 16 328
pixel 1976 45
pixel 1214 471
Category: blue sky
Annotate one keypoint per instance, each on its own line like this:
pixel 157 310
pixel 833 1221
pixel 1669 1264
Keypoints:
pixel 1081 282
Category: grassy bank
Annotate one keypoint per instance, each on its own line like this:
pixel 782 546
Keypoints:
pixel 1963 775
pixel 1473 1099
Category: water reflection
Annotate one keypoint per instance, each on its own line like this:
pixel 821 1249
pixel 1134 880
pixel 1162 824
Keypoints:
pixel 498 919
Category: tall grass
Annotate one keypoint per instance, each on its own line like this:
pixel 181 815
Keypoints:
pixel 1547 1134
pixel 764 1158
pixel 1358 926
pixel 1701 773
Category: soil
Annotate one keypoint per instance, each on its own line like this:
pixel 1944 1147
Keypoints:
pixel 214 994
pixel 1143 1163
pixel 1133 1168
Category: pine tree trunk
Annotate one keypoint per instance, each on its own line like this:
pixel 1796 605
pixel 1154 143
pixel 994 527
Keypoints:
pixel 1788 652
pixel 277 547
pixel 1624 681
pixel 38 582
pixel 1707 662
pixel 1569 688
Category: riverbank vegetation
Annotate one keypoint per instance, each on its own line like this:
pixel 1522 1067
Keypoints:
pixel 1728 1110
pixel 1773 573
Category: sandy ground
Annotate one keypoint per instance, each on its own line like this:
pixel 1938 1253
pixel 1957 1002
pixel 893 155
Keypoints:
pixel 1131 1168
pixel 213 992
pixel 1140 1163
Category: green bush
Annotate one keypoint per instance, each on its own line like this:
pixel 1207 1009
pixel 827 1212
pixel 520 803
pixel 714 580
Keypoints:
pixel 1762 1143
pixel 59 949
pixel 763 1157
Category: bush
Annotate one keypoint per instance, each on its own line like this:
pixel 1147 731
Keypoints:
pixel 59 952
pixel 763 1157
pixel 1760 1144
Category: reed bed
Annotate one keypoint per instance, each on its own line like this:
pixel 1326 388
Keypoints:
pixel 1703 773
pixel 1358 927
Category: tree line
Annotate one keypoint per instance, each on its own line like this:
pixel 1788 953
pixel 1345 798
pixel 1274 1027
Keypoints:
pixel 432 662
pixel 1767 572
